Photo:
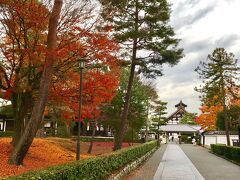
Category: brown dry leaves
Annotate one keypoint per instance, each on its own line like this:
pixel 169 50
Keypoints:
pixel 41 154
pixel 46 152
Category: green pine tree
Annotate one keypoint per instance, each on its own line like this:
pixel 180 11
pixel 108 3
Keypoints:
pixel 159 116
pixel 142 26
pixel 141 98
pixel 220 73
pixel 188 118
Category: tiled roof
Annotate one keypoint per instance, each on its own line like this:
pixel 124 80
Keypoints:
pixel 180 128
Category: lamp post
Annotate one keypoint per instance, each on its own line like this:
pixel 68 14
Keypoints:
pixel 81 67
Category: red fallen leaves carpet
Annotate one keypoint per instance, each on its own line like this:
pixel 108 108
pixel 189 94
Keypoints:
pixel 41 154
pixel 48 152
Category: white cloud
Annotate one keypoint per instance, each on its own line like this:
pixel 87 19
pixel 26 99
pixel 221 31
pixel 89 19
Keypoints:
pixel 202 26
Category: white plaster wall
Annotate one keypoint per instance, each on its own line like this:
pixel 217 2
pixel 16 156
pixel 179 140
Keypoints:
pixel 210 140
pixel 217 139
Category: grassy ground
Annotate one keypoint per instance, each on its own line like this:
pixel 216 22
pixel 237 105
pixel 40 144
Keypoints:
pixel 46 152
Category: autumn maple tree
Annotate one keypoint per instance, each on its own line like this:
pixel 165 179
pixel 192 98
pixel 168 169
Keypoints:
pixel 207 118
pixel 210 109
pixel 40 47
pixel 21 147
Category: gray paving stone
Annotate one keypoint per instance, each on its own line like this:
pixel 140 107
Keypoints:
pixel 176 165
pixel 148 169
pixel 211 166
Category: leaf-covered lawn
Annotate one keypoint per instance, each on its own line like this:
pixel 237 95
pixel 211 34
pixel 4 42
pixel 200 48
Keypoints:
pixel 42 153
pixel 48 152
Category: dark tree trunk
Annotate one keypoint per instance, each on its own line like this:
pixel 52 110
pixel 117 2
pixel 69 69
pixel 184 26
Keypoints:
pixel 84 130
pixel 158 136
pixel 239 135
pixel 21 148
pixel 91 143
pixel 55 121
pixel 226 126
pixel 22 103
pixel 225 113
pixel 122 129
pixel 146 132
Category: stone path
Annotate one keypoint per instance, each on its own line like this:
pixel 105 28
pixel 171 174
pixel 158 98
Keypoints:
pixel 211 166
pixel 175 165
pixel 148 169
pixel 185 162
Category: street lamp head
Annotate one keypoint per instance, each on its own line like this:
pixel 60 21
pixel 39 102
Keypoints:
pixel 81 63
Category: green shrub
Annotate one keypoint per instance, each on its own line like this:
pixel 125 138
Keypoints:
pixel 102 139
pixel 6 133
pixel 230 152
pixel 95 139
pixel 218 148
pixel 92 168
pixel 227 152
pixel 235 152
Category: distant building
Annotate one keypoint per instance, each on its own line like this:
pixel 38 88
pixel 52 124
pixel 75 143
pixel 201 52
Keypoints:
pixel 175 129
pixel 175 117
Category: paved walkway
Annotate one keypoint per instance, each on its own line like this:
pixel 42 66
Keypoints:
pixel 211 166
pixel 176 165
pixel 148 169
pixel 185 162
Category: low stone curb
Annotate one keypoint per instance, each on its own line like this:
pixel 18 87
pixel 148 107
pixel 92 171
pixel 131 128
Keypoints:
pixel 127 169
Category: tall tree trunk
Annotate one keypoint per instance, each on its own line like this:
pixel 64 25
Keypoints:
pixel 22 103
pixel 146 132
pixel 91 143
pixel 122 129
pixel 226 124
pixel 20 150
pixel 225 113
pixel 239 134
pixel 158 136
pixel 56 121
pixel 120 134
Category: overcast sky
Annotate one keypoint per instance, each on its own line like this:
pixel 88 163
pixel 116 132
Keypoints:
pixel 202 25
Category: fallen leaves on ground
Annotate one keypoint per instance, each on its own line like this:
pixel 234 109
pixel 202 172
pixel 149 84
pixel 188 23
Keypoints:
pixel 42 153
pixel 45 152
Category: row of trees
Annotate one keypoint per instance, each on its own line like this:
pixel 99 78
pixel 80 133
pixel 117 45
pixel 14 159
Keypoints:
pixel 220 90
pixel 42 41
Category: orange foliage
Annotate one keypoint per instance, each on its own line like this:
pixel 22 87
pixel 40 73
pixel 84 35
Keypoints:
pixel 207 119
pixel 24 52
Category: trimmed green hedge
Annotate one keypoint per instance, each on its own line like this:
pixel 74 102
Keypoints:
pixel 106 139
pixel 95 139
pixel 230 152
pixel 6 133
pixel 92 168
